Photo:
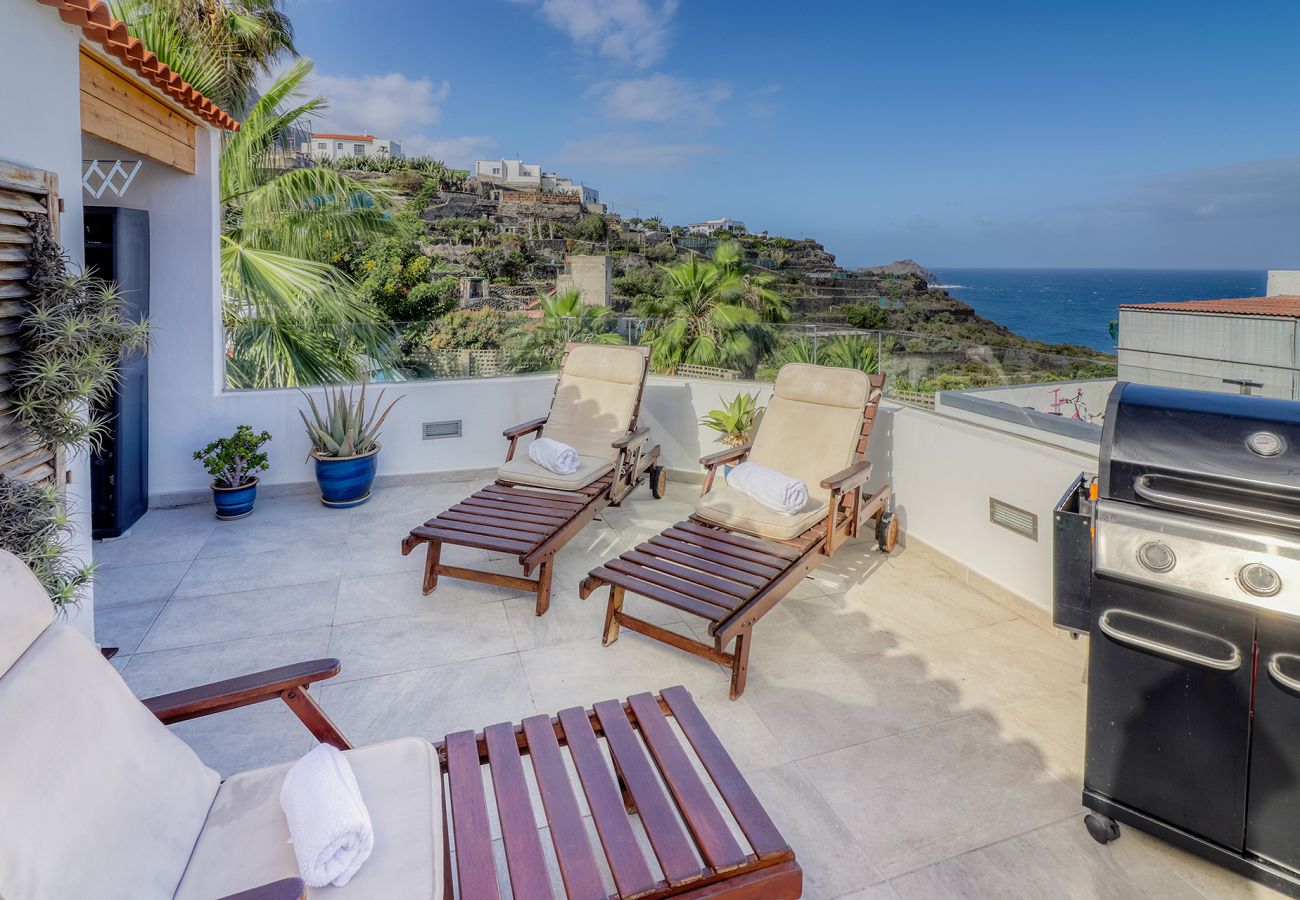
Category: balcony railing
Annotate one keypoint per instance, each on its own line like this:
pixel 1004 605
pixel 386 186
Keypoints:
pixel 494 344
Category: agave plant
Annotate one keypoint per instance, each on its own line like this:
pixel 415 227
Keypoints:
pixel 346 428
pixel 735 420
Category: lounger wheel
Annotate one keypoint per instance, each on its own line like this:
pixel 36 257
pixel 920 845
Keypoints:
pixel 1103 829
pixel 658 481
pixel 887 531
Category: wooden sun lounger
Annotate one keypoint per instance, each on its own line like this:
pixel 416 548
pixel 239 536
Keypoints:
pixel 655 787
pixel 533 523
pixel 732 579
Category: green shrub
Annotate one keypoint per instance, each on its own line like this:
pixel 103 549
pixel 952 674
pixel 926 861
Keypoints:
pixel 872 318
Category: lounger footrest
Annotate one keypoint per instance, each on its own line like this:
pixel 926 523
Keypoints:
pixel 666 782
pixel 700 569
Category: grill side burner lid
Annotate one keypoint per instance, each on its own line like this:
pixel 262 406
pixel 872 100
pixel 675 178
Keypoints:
pixel 1202 452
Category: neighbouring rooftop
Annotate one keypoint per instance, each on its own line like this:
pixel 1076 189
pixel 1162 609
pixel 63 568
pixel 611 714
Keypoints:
pixel 913 735
pixel 1284 306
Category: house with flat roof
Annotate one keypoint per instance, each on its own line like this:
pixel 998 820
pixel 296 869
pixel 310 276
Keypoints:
pixel 710 226
pixel 341 146
pixel 517 175
pixel 1245 344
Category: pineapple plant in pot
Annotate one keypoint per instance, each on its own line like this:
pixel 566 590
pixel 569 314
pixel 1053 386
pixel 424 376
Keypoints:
pixel 345 443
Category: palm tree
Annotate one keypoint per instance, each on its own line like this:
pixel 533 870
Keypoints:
pixel 233 43
pixel 296 319
pixel 565 319
pixel 700 319
pixel 758 288
pixel 844 350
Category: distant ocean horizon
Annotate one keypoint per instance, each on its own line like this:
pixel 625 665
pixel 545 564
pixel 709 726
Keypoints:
pixel 1076 306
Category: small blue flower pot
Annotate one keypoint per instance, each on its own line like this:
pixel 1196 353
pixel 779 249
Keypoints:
pixel 345 481
pixel 236 502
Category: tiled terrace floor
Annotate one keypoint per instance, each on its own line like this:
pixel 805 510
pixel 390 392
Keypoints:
pixel 912 737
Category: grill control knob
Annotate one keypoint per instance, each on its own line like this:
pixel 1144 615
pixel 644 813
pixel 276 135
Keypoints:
pixel 1259 579
pixel 1265 443
pixel 1156 556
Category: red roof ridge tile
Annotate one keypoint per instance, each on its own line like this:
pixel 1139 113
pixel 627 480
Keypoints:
pixel 96 21
pixel 1277 305
pixel 344 137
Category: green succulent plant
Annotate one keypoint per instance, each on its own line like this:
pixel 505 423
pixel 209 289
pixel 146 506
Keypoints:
pixel 735 420
pixel 345 428
pixel 234 461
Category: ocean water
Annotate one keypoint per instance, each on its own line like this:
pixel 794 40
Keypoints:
pixel 1077 305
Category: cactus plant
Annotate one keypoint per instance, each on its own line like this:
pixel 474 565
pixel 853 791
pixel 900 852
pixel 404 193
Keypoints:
pixel 345 428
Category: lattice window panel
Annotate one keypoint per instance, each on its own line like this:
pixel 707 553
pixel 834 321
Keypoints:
pixel 23 192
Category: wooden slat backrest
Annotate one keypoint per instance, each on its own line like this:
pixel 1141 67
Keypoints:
pixel 869 413
pixel 25 193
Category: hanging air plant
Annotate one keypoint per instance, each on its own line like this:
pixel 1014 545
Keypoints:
pixel 34 527
pixel 71 343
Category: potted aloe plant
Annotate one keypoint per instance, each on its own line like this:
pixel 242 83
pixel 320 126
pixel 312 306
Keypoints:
pixel 344 444
pixel 233 462
pixel 735 420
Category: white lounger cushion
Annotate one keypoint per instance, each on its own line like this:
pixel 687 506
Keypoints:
pixel 245 842
pixel 824 402
pixel 727 506
pixel 97 798
pixel 522 470
pixel 593 407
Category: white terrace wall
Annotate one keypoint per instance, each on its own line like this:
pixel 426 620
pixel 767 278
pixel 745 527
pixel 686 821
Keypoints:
pixel 40 106
pixel 943 470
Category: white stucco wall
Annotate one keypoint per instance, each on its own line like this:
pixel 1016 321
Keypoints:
pixel 40 106
pixel 943 470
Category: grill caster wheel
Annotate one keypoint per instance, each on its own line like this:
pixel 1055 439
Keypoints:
pixel 658 481
pixel 1103 829
pixel 887 531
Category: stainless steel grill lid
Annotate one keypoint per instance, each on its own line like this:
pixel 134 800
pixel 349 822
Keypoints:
pixel 1219 455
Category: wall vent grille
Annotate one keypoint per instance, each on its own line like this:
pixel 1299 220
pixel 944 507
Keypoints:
pixel 434 430
pixel 1013 518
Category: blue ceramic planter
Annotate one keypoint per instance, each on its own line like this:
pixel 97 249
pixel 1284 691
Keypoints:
pixel 234 503
pixel 346 481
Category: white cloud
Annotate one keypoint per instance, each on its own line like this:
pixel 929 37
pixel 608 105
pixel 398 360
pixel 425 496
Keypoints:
pixel 632 150
pixel 397 107
pixel 630 31
pixel 662 98
pixel 391 105
pixel 457 152
pixel 1253 189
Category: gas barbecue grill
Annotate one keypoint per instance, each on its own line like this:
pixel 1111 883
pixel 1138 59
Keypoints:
pixel 1182 564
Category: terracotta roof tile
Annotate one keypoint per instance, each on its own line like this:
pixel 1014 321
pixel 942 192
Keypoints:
pixel 346 137
pixel 1283 306
pixel 97 23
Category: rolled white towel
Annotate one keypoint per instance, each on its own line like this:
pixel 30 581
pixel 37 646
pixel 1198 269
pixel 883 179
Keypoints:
pixel 559 458
pixel 329 824
pixel 769 487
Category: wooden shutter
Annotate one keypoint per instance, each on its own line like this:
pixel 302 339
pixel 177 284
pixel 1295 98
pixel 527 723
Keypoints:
pixel 22 191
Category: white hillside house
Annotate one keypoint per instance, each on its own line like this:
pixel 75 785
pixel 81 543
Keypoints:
pixel 342 146
pixel 710 226
pixel 518 175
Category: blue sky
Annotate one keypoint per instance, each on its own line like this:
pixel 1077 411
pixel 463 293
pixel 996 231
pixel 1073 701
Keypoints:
pixel 1146 134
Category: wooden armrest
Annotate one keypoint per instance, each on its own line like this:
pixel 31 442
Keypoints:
pixel 725 456
pixel 518 431
pixel 286 889
pixel 633 438
pixel 233 693
pixel 847 479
